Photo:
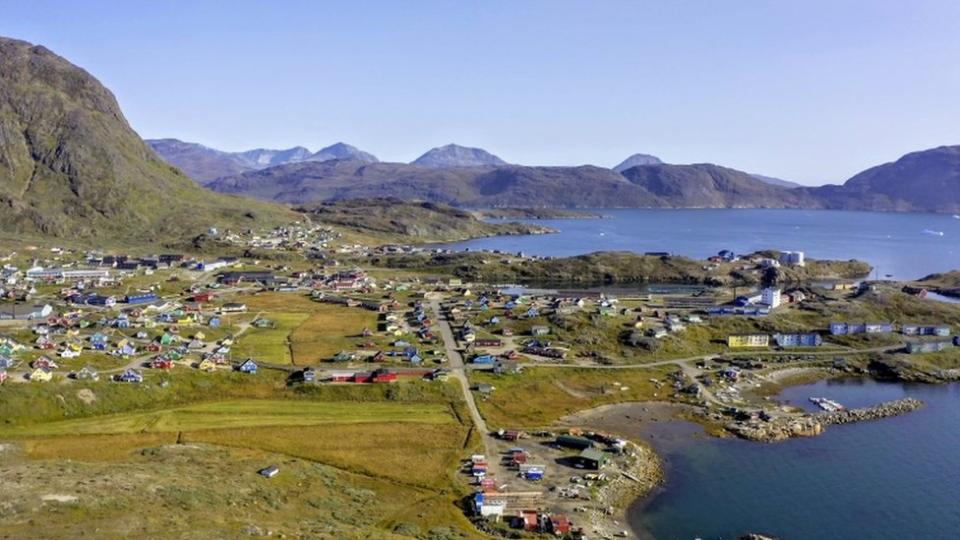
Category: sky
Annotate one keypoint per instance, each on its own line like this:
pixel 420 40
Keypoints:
pixel 810 91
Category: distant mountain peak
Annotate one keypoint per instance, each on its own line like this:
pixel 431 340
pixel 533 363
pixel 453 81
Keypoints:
pixel 637 160
pixel 342 150
pixel 454 155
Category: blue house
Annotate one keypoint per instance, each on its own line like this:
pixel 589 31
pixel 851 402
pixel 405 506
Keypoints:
pixel 130 376
pixel 308 375
pixel 140 298
pixel 6 362
pixel 248 366
pixel 810 339
pixel 214 322
pixel 483 359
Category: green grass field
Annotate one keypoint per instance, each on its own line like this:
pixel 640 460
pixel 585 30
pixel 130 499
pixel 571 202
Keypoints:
pixel 270 344
pixel 304 331
pixel 243 413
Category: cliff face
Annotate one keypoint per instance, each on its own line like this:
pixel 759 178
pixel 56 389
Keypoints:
pixel 71 165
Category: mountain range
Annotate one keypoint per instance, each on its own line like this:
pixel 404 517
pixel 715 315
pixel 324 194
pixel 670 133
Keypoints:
pixel 204 164
pixel 921 181
pixel 71 165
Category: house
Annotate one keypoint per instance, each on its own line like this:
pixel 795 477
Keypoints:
pixel 248 366
pixel 484 359
pixel 207 364
pixel 921 347
pixel 25 313
pixel 308 375
pixel 130 376
pixel 44 362
pixel 558 524
pixel 87 373
pixel 572 441
pixel 488 507
pixel 161 363
pixel 41 374
pixel 748 340
pixel 143 298
pixel 771 297
pixel 591 458
pixel 484 388
pixel 233 307
pixel 810 339
pixel 539 330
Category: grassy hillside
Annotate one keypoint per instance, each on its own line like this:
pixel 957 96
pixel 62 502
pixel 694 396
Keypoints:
pixel 71 166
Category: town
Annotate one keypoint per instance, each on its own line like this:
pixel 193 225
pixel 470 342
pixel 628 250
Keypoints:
pixel 304 306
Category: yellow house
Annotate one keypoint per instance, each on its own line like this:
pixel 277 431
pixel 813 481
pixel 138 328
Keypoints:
pixel 41 375
pixel 185 320
pixel 200 336
pixel 207 365
pixel 748 340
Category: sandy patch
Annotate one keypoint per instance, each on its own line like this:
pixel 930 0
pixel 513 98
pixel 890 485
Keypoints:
pixel 86 395
pixel 54 497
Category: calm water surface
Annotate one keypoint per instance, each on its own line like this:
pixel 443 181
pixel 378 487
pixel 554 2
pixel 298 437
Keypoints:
pixel 894 478
pixel 894 244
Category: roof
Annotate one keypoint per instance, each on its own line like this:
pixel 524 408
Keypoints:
pixel 594 455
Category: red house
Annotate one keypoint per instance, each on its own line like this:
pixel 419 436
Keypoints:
pixel 383 375
pixel 559 524
pixel 162 363
pixel 204 297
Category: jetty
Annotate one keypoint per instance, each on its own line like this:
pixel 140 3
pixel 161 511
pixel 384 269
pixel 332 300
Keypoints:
pixel 770 428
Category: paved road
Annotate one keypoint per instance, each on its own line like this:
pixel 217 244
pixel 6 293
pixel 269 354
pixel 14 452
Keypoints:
pixel 458 370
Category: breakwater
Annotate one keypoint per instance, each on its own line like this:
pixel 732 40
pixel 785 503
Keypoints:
pixel 783 427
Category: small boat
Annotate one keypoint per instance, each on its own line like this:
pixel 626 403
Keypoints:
pixel 827 404
pixel 932 232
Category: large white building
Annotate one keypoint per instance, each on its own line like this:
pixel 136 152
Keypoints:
pixel 791 258
pixel 771 297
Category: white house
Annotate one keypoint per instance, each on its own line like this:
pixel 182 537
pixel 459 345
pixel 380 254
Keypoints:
pixel 771 297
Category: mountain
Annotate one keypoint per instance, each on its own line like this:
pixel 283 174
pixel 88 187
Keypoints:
pixel 197 161
pixel 343 151
pixel 260 158
pixel 776 181
pixel 510 185
pixel 637 159
pixel 71 166
pixel 204 164
pixel 706 185
pixel 453 155
pixel 925 181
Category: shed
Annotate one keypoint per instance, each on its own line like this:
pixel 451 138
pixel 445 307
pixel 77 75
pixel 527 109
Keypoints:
pixel 269 472
pixel 571 441
pixel 591 458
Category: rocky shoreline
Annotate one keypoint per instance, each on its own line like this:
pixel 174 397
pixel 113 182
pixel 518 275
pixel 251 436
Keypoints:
pixel 781 428
pixel 645 472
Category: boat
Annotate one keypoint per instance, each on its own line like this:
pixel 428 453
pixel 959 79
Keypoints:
pixel 827 404
pixel 955 216
pixel 932 232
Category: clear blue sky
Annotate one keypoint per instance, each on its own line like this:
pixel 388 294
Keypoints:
pixel 811 91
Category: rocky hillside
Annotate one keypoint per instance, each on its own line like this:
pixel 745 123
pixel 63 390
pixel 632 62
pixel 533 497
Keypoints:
pixel 927 181
pixel 393 219
pixel 70 165
pixel 205 164
pixel 711 186
pixel 637 159
pixel 453 155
